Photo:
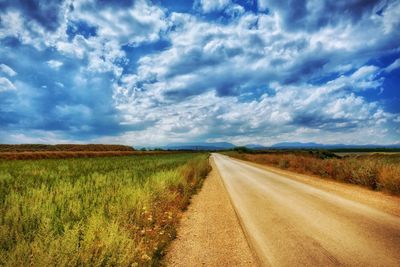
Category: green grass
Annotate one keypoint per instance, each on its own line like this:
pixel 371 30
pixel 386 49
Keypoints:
pixel 94 211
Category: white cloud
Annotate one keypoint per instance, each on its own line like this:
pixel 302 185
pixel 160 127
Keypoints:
pixel 133 25
pixel 139 23
pixel 7 70
pixel 28 31
pixel 324 109
pixel 365 78
pixel 208 6
pixel 35 137
pixel 391 17
pixel 262 4
pixel 76 48
pixel 6 85
pixel 102 55
pixel 393 66
pixel 234 10
pixel 247 78
pixel 212 70
pixel 364 71
pixel 55 64
pixel 59 84
pixel 13 25
pixel 208 56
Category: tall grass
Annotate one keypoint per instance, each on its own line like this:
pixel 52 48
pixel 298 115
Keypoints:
pixel 119 211
pixel 377 171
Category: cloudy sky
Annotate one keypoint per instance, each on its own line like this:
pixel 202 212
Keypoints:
pixel 164 71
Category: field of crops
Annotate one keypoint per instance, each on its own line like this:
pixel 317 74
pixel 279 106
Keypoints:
pixel 119 211
pixel 378 171
pixel 63 147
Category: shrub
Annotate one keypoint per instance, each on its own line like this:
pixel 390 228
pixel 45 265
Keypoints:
pixel 283 163
pixel 242 149
pixel 389 178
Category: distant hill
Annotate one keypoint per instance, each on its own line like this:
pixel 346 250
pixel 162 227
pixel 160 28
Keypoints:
pixel 256 146
pixel 283 145
pixel 199 146
pixel 299 145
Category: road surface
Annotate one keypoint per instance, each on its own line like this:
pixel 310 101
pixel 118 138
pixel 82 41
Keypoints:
pixel 209 232
pixel 291 223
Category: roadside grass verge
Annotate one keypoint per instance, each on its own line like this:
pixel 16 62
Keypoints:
pixel 375 171
pixel 120 211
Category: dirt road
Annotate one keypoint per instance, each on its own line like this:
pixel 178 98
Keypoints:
pixel 209 233
pixel 292 223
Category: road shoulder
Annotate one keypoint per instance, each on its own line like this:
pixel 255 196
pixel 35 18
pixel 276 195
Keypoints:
pixel 210 233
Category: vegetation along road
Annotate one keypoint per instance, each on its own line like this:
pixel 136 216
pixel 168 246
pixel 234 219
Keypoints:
pixel 289 221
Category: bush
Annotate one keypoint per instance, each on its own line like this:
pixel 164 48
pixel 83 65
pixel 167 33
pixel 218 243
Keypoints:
pixel 242 149
pixel 283 163
pixel 389 178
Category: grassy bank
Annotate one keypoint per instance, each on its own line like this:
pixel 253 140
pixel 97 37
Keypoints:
pixel 376 171
pixel 116 211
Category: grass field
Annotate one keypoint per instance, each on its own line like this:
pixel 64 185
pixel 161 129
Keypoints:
pixel 34 155
pixel 63 147
pixel 376 171
pixel 118 211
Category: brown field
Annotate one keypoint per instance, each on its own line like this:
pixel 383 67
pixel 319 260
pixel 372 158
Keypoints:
pixel 376 171
pixel 75 154
pixel 62 151
pixel 63 147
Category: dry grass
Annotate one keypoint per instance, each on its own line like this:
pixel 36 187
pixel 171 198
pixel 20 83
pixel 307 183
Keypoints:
pixel 63 147
pixel 74 154
pixel 42 151
pixel 389 178
pixel 119 211
pixel 376 171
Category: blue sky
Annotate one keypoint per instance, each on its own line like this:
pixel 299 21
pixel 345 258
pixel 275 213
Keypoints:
pixel 158 72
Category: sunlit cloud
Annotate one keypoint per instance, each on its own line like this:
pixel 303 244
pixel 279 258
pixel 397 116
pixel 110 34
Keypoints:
pixel 139 72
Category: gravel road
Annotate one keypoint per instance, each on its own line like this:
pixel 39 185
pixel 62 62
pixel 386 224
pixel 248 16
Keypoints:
pixel 209 233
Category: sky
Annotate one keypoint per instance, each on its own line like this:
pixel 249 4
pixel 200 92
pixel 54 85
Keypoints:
pixel 165 71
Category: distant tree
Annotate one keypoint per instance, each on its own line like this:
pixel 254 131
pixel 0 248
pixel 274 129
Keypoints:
pixel 242 149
